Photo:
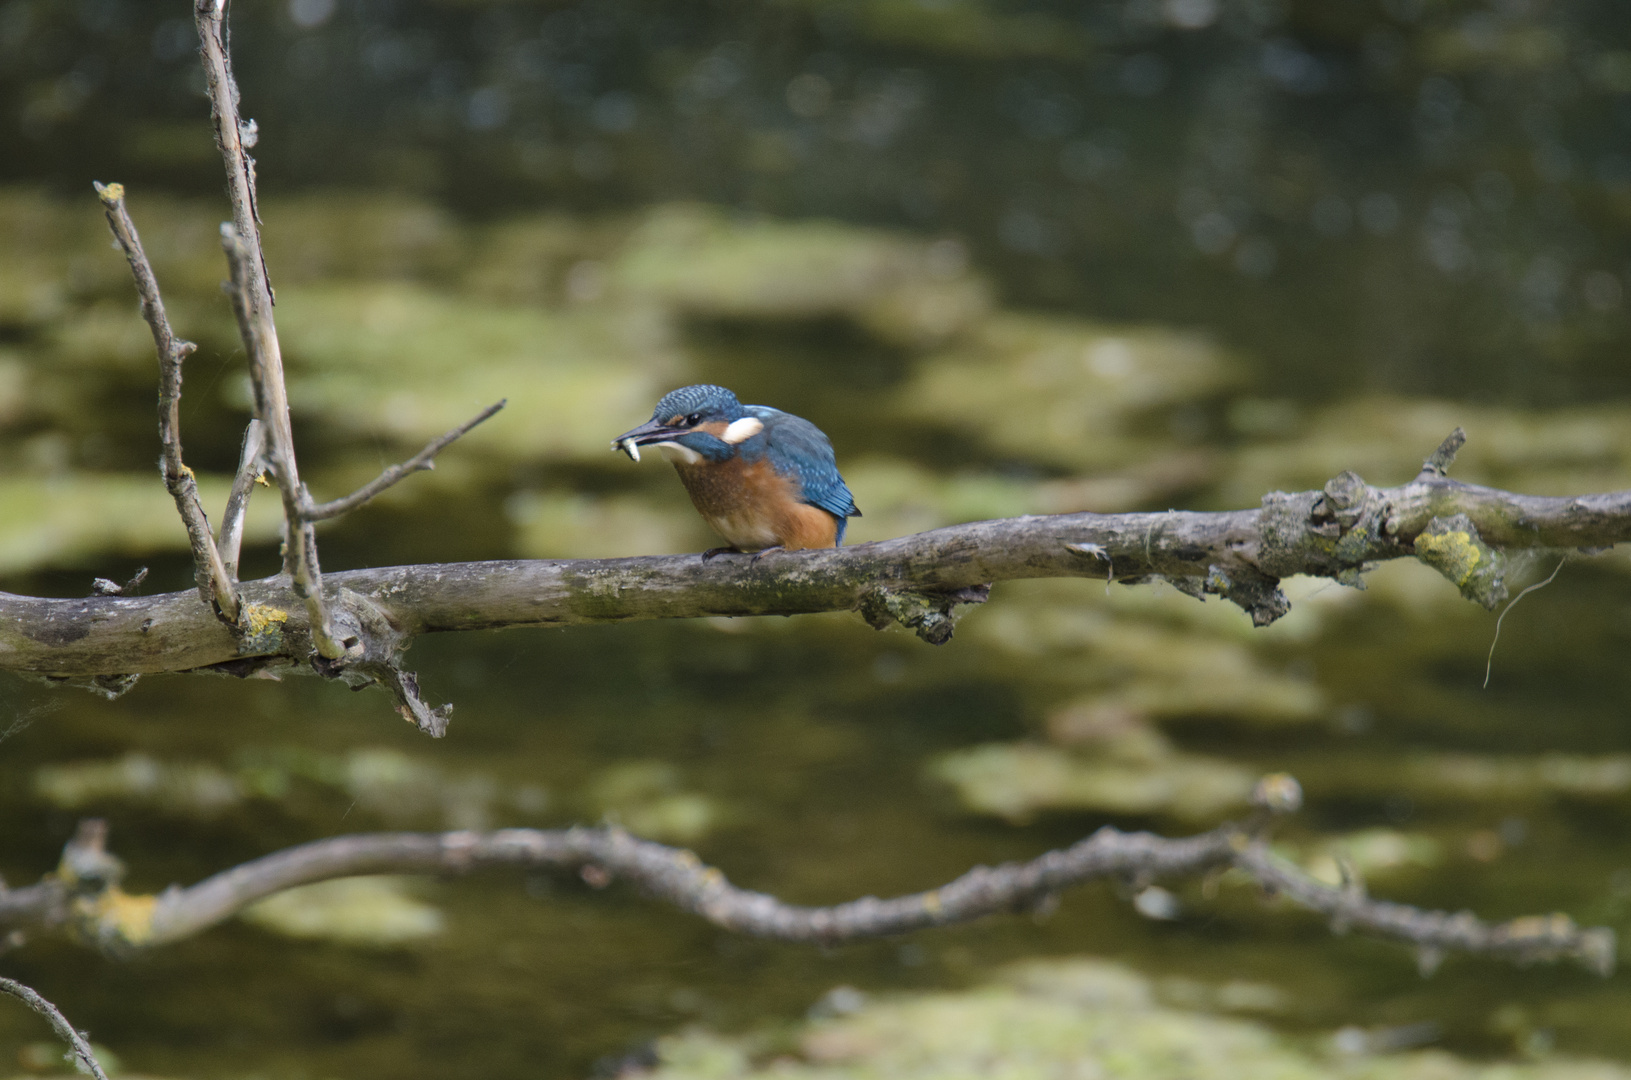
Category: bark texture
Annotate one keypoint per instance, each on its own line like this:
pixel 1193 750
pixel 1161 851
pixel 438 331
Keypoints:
pixel 1462 530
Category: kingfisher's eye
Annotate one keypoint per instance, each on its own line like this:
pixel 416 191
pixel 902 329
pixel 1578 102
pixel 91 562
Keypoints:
pixel 693 420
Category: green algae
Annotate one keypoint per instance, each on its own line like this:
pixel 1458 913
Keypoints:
pixel 384 783
pixel 74 519
pixel 1066 392
pixel 1143 663
pixel 347 236
pixel 648 799
pixel 192 789
pixel 394 360
pixel 562 525
pixel 1019 781
pixel 697 261
pixel 1081 1018
pixel 1375 854
pixel 377 912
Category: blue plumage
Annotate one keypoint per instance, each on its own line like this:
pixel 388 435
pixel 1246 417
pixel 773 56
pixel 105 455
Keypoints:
pixel 749 468
pixel 798 448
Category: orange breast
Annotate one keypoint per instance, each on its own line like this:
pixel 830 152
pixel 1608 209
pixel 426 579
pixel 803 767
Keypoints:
pixel 754 507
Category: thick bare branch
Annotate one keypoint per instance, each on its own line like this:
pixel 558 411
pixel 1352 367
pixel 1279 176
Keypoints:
pixel 425 459
pixel 59 1023
pixel 917 580
pixel 215 581
pixel 90 902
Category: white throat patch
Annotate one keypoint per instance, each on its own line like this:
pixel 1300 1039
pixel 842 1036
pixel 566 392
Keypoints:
pixel 679 455
pixel 742 430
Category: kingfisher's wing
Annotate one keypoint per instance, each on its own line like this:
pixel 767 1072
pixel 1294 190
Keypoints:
pixel 799 449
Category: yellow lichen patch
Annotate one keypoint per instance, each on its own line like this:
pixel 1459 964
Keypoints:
pixel 1453 547
pixel 1453 554
pixel 115 917
pixel 258 618
pixel 261 626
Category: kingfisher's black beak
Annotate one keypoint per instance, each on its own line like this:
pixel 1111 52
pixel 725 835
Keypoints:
pixel 652 431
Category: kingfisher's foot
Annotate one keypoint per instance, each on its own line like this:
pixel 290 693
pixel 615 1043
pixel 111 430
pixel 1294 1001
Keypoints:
pixel 762 552
pixel 711 552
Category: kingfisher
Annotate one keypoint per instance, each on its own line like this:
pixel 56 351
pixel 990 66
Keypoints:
pixel 763 479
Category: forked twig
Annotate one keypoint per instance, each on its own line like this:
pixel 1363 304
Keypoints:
pixel 215 581
pixel 252 303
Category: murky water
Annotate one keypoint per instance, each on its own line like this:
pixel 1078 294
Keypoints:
pixel 1132 256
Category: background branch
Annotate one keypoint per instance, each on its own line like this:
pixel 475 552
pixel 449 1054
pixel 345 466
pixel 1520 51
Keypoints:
pixel 59 1023
pixel 84 893
pixel 215 581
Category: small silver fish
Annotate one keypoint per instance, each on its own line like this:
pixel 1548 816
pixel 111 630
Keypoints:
pixel 629 447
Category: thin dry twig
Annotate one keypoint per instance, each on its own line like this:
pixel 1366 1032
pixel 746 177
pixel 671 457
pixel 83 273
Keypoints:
pixel 424 460
pixel 215 581
pixel 678 877
pixel 59 1023
pixel 252 303
pixel 243 484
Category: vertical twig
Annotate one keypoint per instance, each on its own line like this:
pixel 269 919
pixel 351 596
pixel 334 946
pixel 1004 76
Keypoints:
pixel 30 997
pixel 252 302
pixel 215 581
pixel 232 519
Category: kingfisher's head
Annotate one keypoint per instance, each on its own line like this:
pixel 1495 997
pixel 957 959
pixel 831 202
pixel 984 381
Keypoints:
pixel 698 418
pixel 692 406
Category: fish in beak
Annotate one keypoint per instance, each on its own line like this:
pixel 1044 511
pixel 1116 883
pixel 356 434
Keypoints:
pixel 652 431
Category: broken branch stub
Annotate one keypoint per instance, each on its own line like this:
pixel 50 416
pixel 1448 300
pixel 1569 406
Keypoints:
pixel 931 615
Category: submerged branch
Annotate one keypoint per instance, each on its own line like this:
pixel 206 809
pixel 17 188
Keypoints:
pixel 84 894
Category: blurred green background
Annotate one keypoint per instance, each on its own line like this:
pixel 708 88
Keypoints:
pixel 1013 258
